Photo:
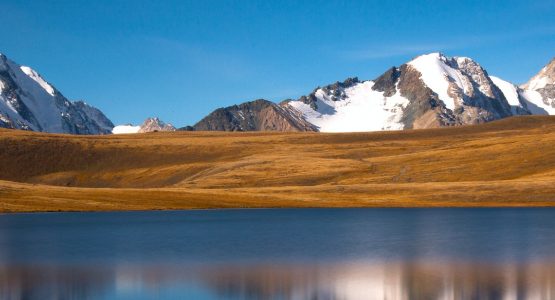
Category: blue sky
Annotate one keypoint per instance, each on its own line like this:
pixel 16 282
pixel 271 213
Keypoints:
pixel 179 60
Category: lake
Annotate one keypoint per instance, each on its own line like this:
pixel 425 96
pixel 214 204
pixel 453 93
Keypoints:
pixel 495 253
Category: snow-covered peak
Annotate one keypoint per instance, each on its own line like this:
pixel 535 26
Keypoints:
pixel 38 79
pixel 28 101
pixel 432 90
pixel 544 78
pixel 435 57
pixel 438 74
pixel 540 90
pixel 457 81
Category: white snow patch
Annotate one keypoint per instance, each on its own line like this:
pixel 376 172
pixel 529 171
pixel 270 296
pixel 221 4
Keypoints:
pixel 4 119
pixel 509 90
pixel 536 104
pixel 123 129
pixel 462 59
pixel 38 79
pixel 538 83
pixel 436 74
pixel 363 110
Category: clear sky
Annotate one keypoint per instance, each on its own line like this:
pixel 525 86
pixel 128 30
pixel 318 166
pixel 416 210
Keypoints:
pixel 179 60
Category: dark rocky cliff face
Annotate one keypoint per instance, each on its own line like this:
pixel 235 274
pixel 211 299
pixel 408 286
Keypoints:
pixel 258 115
pixel 336 92
pixel 93 113
pixel 424 110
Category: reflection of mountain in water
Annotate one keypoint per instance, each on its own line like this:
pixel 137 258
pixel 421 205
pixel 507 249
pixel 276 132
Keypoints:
pixel 280 254
pixel 356 280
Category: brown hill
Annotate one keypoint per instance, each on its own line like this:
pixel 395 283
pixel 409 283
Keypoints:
pixel 257 115
pixel 504 163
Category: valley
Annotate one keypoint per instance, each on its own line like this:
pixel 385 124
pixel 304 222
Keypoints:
pixel 510 162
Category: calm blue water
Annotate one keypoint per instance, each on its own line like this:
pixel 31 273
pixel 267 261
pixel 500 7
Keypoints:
pixel 280 254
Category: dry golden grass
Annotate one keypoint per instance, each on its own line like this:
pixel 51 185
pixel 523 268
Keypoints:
pixel 505 163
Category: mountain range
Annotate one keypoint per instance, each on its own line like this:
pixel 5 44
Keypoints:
pixel 430 91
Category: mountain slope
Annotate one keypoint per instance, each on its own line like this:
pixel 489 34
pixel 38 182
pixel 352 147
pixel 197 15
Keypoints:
pixel 258 115
pixel 29 102
pixel 155 124
pixel 430 91
pixel 540 90
pixel 478 165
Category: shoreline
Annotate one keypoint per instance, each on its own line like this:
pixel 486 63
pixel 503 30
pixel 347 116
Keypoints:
pixel 518 207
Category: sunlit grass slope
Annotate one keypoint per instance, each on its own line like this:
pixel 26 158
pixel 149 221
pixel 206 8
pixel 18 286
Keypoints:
pixel 505 163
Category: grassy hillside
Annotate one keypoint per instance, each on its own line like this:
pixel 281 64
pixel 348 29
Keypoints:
pixel 505 163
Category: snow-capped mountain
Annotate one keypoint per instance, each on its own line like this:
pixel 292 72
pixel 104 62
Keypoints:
pixel 29 102
pixel 429 91
pixel 540 90
pixel 149 125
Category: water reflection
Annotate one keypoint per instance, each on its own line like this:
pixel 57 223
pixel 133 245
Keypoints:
pixel 353 280
pixel 280 254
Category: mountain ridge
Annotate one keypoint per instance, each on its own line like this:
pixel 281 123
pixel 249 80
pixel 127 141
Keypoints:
pixel 429 91
pixel 257 115
pixel 29 102
pixel 540 89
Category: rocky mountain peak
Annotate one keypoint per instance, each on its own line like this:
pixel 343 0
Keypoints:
pixel 257 115
pixel 541 88
pixel 463 86
pixel 29 102
pixel 545 77
pixel 155 124
pixel 432 90
pixel 149 125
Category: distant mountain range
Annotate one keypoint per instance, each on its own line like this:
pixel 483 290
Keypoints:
pixel 430 91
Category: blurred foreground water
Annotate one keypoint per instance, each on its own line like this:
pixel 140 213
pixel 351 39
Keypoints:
pixel 491 253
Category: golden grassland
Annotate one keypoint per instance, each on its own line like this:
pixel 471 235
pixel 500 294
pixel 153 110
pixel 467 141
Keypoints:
pixel 504 163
